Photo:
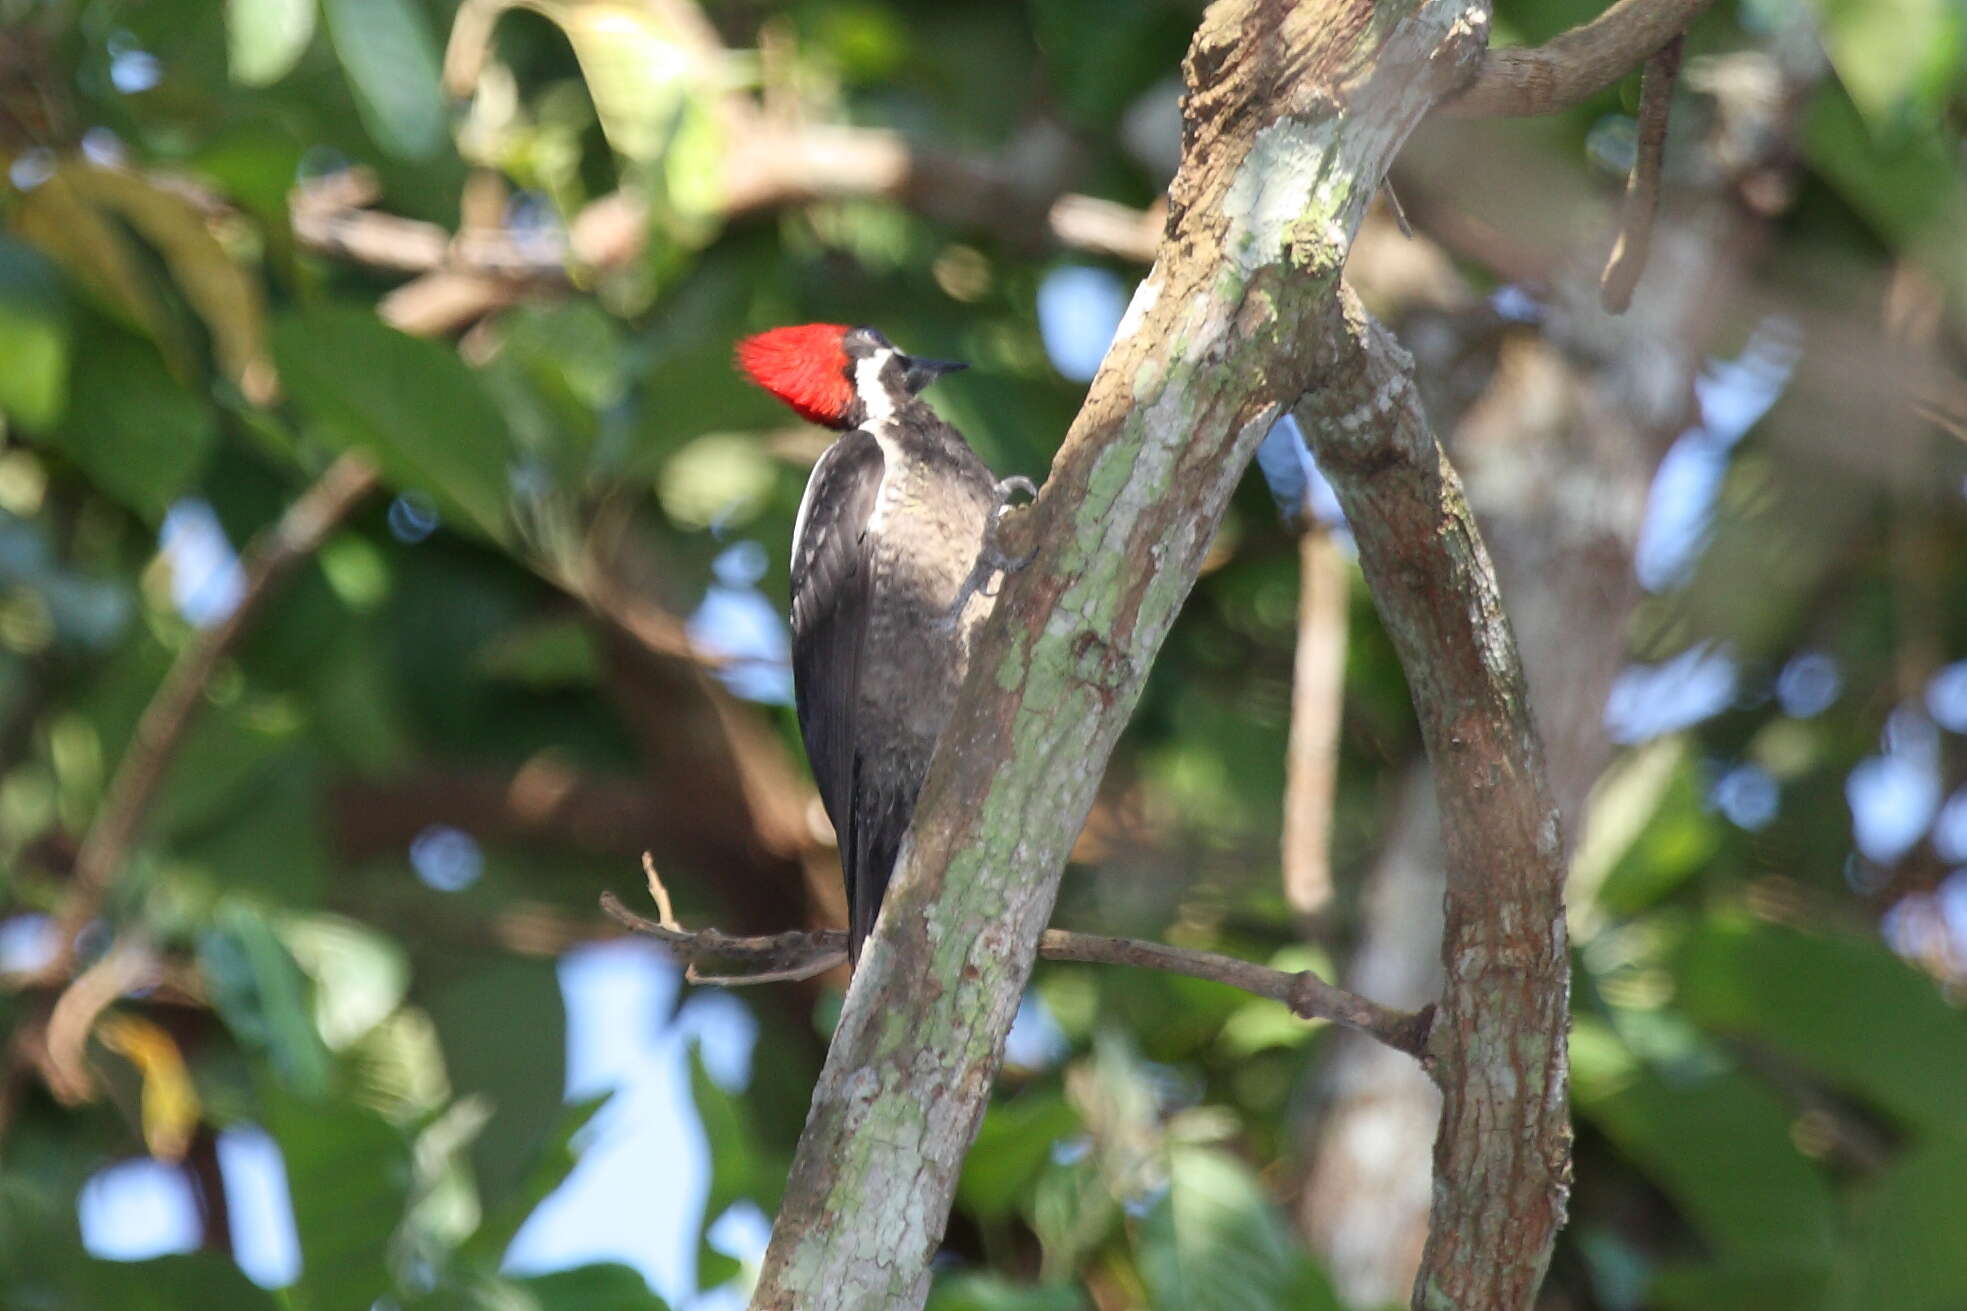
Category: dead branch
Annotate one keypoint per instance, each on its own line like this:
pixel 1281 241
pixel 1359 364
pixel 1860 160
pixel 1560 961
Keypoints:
pixel 777 957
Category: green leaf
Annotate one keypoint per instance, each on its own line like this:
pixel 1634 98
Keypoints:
pixel 637 69
pixel 196 1282
pixel 412 405
pixel 1073 1212
pixel 1215 1242
pixel 360 976
pixel 1894 56
pixel 1903 188
pixel 349 1172
pixel 100 256
pixel 504 1033
pixel 1764 1286
pixel 978 1292
pixel 1670 844
pixel 1013 1145
pixel 1721 1148
pixel 269 837
pixel 556 651
pixel 1908 186
pixel 391 62
pixel 397 1068
pixel 1844 1006
pixel 225 765
pixel 139 436
pixel 604 1286
pixel 555 1161
pixel 719 478
pixel 266 38
pixel 226 298
pixel 262 995
pixel 739 1169
pixel 35 337
pixel 1910 1256
pixel 355 709
pixel 1105 53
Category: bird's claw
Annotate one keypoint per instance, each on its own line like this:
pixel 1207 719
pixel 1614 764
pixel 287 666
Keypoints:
pixel 992 553
pixel 992 562
pixel 1017 482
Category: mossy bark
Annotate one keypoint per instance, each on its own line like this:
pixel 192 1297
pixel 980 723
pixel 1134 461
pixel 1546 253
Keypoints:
pixel 1292 115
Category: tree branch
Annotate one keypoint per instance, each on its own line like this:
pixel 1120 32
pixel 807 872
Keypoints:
pixel 57 1040
pixel 778 957
pixel 774 165
pixel 1292 115
pixel 267 562
pixel 1642 202
pixel 1497 1047
pixel 770 168
pixel 1311 773
pixel 1574 66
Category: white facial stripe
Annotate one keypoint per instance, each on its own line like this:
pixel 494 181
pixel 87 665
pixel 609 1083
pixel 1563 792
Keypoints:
pixel 873 393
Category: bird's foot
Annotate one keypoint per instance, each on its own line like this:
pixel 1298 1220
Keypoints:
pixel 992 560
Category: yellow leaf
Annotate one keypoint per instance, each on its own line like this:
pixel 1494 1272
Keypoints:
pixel 171 1109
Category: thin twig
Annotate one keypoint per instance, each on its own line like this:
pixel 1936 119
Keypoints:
pixel 665 912
pixel 1395 208
pixel 802 954
pixel 1642 202
pixel 267 562
pixel 1573 66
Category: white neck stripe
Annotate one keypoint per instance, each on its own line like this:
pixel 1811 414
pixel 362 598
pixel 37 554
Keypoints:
pixel 880 406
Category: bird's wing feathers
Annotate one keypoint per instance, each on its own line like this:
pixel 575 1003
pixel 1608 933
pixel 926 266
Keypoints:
pixel 831 588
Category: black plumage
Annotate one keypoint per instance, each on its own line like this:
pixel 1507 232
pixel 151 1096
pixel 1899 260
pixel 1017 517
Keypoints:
pixel 832 576
pixel 885 573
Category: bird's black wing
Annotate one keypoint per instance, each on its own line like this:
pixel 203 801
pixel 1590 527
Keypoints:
pixel 831 588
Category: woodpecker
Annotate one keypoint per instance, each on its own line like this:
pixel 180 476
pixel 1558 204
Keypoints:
pixel 891 553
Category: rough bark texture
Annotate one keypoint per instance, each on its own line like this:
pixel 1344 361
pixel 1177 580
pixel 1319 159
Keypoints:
pixel 1293 113
pixel 1501 1159
pixel 1576 65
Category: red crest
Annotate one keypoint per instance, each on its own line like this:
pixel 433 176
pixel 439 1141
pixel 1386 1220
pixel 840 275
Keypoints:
pixel 804 366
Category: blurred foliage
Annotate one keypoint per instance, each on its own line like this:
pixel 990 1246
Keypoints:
pixel 1768 1087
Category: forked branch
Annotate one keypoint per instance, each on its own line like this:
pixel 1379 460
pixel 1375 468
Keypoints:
pixel 1575 66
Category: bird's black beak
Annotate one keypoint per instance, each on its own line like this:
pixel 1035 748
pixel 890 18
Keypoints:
pixel 920 373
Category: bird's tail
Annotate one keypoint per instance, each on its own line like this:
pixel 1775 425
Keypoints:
pixel 880 823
